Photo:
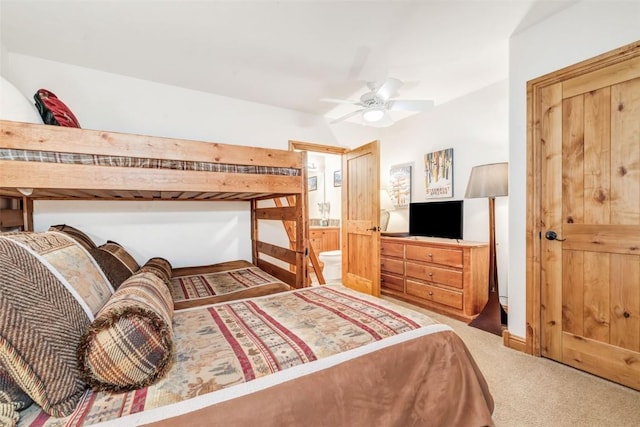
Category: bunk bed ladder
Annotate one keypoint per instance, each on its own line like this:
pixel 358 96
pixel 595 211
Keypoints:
pixel 291 233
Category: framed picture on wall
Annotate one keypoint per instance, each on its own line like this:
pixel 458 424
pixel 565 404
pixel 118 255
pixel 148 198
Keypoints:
pixel 313 183
pixel 438 168
pixel 337 178
pixel 400 185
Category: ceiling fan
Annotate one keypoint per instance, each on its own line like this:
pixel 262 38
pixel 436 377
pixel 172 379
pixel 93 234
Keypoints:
pixel 376 104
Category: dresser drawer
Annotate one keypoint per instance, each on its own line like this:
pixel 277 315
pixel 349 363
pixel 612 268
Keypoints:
pixel 452 257
pixel 389 265
pixel 435 294
pixel 432 273
pixel 392 282
pixel 391 249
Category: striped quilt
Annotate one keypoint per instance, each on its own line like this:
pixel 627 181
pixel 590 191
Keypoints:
pixel 219 283
pixel 229 344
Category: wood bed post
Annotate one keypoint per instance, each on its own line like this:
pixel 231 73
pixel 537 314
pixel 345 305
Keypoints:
pixel 254 232
pixel 302 229
pixel 27 213
pixel 302 241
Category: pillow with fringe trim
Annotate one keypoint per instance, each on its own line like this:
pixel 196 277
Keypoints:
pixel 130 344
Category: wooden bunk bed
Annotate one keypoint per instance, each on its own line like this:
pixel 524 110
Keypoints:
pixel 322 355
pixel 41 162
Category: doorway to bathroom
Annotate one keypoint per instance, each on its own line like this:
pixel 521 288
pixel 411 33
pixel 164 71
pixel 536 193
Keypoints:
pixel 358 219
pixel 324 173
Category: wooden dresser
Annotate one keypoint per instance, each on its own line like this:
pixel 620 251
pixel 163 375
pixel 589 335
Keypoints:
pixel 444 275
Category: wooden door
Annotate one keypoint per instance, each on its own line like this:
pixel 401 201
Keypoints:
pixel 361 219
pixel 589 133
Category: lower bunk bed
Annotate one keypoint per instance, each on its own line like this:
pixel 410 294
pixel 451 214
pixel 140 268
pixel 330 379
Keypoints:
pixel 190 286
pixel 313 356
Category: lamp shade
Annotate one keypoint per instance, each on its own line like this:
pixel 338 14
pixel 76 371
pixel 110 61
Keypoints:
pixel 490 180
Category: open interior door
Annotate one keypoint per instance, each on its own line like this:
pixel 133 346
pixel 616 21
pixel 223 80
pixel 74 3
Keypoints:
pixel 361 219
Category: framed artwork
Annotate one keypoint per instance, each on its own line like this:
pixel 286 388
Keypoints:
pixel 313 183
pixel 400 185
pixel 438 168
pixel 337 178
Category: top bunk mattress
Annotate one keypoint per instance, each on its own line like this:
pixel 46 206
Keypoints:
pixel 140 162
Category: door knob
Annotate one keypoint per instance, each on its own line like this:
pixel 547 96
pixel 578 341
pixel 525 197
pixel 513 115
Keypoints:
pixel 552 235
pixel 373 229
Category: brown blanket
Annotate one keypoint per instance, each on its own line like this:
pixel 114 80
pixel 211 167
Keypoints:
pixel 428 381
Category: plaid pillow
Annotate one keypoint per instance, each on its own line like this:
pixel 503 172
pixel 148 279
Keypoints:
pixel 137 317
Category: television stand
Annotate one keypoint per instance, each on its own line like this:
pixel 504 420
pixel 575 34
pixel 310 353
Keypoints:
pixel 395 234
pixel 448 276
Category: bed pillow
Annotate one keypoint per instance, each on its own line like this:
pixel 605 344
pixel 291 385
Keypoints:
pixel 15 106
pixel 53 111
pixel 50 291
pixel 12 399
pixel 160 267
pixel 130 343
pixel 78 235
pixel 116 263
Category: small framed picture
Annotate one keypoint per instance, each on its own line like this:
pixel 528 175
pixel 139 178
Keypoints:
pixel 337 178
pixel 313 183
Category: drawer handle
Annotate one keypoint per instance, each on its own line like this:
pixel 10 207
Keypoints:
pixel 430 293
pixel 430 274
pixel 430 255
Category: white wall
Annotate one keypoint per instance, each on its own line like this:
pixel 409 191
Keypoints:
pixel 476 127
pixel 575 34
pixel 186 233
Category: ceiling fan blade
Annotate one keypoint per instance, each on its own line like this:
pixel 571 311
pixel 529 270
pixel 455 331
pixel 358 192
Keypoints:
pixel 346 116
pixel 410 105
pixel 340 101
pixel 388 88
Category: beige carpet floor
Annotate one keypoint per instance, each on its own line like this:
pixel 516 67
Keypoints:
pixel 533 391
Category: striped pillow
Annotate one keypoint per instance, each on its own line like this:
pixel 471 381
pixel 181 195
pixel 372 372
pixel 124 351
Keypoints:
pixel 50 291
pixel 130 343
pixel 118 265
pixel 160 267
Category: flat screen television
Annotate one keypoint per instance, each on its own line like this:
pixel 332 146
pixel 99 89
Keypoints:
pixel 436 219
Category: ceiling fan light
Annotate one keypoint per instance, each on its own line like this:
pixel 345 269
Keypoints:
pixel 373 115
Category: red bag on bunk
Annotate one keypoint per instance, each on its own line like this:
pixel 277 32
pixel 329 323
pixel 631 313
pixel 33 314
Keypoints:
pixel 53 111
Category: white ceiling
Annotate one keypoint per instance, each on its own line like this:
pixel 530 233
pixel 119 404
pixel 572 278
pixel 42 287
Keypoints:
pixel 287 54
